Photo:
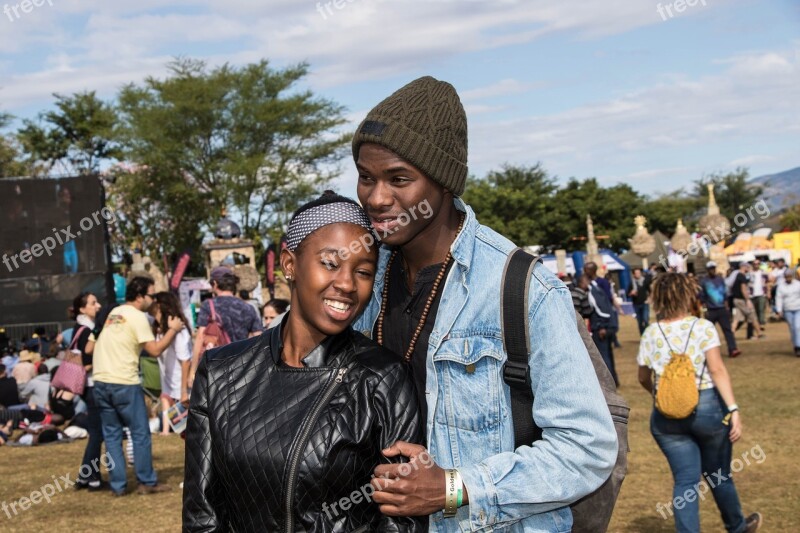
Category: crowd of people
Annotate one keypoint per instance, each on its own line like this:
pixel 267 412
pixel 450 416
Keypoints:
pixel 380 396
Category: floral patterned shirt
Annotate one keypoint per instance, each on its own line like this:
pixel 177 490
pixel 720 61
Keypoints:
pixel 654 348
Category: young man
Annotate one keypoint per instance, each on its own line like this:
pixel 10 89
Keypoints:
pixel 604 322
pixel 117 388
pixel 713 296
pixel 439 306
pixel 639 293
pixel 742 300
pixel 239 319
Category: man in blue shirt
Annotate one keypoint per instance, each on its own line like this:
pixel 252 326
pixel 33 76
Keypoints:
pixel 442 271
pixel 713 295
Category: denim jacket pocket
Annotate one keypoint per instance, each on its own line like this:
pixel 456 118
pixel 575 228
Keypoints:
pixel 469 372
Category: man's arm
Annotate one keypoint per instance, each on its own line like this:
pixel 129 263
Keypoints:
pixel 579 446
pixel 155 348
pixel 575 457
pixel 197 350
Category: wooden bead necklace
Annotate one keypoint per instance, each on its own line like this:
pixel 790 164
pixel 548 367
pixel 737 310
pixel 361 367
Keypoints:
pixel 428 303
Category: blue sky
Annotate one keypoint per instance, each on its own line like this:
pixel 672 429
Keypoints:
pixel 588 88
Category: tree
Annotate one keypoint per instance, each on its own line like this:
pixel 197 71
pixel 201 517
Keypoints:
pixel 732 192
pixel 75 139
pixel 663 212
pixel 514 201
pixel 790 219
pixel 10 164
pixel 612 210
pixel 205 140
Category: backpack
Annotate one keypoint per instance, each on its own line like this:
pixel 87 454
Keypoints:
pixel 592 513
pixel 677 394
pixel 215 334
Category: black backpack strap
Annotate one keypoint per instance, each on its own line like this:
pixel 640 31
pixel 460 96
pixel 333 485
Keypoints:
pixel 516 341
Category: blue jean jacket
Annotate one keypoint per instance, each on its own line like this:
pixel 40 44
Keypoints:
pixel 469 415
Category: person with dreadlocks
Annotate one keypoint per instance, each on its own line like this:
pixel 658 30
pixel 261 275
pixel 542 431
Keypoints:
pixel 285 429
pixel 702 443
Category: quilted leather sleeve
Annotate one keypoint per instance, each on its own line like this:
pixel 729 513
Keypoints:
pixel 203 506
pixel 398 415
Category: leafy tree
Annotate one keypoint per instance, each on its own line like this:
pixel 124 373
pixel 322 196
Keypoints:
pixel 10 163
pixel 74 139
pixel 514 201
pixel 731 190
pixel 612 210
pixel 790 219
pixel 204 140
pixel 663 212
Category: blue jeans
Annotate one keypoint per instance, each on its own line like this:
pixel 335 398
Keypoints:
pixel 698 446
pixel 94 443
pixel 642 316
pixel 793 319
pixel 123 406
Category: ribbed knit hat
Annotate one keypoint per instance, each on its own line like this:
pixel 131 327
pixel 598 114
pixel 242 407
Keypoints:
pixel 425 124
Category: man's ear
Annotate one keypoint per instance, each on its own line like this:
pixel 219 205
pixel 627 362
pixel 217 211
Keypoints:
pixel 288 263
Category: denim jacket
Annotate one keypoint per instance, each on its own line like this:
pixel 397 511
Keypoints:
pixel 469 425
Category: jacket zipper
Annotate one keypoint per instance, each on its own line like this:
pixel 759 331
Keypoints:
pixel 300 444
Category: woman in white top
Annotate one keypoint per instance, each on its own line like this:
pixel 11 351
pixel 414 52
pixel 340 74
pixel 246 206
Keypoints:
pixel 787 304
pixel 701 443
pixel 174 362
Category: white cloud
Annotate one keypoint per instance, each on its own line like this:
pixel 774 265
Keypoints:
pixel 656 122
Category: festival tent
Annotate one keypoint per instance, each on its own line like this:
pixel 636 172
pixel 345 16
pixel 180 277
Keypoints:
pixel 613 263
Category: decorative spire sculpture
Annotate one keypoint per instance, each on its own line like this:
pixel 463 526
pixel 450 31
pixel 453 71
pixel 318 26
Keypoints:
pixel 592 249
pixel 642 243
pixel 715 227
pixel 681 239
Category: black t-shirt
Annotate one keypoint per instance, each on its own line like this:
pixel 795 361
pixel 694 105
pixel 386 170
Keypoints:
pixel 737 286
pixel 79 343
pixel 9 392
pixel 403 313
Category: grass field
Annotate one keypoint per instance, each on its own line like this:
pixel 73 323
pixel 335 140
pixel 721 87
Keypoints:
pixel 765 381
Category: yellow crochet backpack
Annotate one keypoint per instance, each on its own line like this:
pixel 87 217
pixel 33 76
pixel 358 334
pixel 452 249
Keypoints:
pixel 677 393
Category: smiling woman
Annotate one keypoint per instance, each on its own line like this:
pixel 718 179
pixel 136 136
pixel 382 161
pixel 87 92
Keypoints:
pixel 284 428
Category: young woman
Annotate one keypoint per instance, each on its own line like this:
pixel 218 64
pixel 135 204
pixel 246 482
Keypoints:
pixel 702 442
pixel 272 309
pixel 285 429
pixel 85 308
pixel 174 362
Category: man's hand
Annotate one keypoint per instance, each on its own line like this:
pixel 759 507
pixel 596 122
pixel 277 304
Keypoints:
pixel 175 323
pixel 602 333
pixel 416 488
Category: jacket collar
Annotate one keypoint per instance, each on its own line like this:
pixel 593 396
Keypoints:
pixel 322 355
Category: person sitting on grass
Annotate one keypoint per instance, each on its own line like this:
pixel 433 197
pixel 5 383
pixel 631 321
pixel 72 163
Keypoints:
pixel 703 441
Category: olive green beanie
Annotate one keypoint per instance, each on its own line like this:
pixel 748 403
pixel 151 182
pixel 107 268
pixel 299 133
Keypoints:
pixel 425 124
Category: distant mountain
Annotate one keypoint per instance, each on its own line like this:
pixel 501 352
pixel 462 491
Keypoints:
pixel 781 190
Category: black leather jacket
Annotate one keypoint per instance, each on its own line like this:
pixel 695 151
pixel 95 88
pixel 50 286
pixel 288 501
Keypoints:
pixel 264 437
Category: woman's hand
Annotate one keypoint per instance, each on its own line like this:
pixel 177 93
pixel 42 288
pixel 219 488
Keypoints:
pixel 736 427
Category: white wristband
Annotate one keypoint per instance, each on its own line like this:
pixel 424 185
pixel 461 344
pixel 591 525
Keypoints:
pixel 732 408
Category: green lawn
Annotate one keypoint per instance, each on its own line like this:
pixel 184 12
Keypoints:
pixel 766 385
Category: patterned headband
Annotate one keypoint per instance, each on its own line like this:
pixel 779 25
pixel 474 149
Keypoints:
pixel 310 220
